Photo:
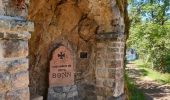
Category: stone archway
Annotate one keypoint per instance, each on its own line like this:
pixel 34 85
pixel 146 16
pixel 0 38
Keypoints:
pixel 90 25
pixel 86 24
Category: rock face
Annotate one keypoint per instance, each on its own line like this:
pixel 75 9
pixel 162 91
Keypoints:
pixel 92 28
pixel 91 32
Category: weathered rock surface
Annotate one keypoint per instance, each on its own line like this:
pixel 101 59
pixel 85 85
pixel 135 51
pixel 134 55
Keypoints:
pixel 77 21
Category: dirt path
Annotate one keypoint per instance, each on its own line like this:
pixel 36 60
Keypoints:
pixel 152 90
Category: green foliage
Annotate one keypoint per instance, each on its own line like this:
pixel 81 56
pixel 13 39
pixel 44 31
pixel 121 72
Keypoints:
pixel 150 30
pixel 162 78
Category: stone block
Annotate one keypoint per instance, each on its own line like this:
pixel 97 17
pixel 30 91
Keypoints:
pixel 110 98
pixel 20 80
pixel 15 24
pixel 19 25
pixel 37 97
pixel 10 82
pixel 112 50
pixel 99 82
pixel 13 48
pixel 114 44
pixel 14 8
pixel 119 87
pixel 72 94
pixel 103 92
pixel 101 55
pixel 101 50
pixel 70 88
pixel 122 55
pixel 18 66
pixel 22 94
pixel 100 98
pixel 56 96
pixel 122 63
pixel 17 35
pixel 113 63
pixel 12 36
pixel 119 73
pixel 121 37
pixel 101 73
pixel 71 98
pixel 113 56
pixel 1 35
pixel 109 91
pixel 109 36
pixel 5 82
pixel 111 73
pixel 62 92
pixel 86 90
pixel 122 45
pixel 62 89
pixel 77 97
pixel 109 83
pixel 4 25
pixel 90 98
pixel 57 89
pixel 122 50
pixel 14 66
pixel 100 91
pixel 100 45
pixel 2 96
pixel 100 63
pixel 89 87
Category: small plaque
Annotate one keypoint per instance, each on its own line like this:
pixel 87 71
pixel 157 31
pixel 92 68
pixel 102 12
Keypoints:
pixel 61 68
pixel 83 54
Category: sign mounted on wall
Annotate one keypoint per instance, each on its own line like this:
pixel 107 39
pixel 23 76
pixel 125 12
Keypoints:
pixel 61 67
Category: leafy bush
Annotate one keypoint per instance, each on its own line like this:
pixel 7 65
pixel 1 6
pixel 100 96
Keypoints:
pixel 150 31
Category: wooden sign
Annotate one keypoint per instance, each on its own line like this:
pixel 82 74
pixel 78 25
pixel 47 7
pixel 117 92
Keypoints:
pixel 61 68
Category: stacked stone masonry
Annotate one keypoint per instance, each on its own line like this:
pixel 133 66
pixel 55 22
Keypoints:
pixel 14 75
pixel 63 93
pixel 109 66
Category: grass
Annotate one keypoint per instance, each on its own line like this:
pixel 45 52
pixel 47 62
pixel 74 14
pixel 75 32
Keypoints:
pixel 132 91
pixel 162 78
pixel 146 71
pixel 167 68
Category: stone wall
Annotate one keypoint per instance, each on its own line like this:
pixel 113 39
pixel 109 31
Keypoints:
pixel 14 75
pixel 109 66
pixel 14 62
